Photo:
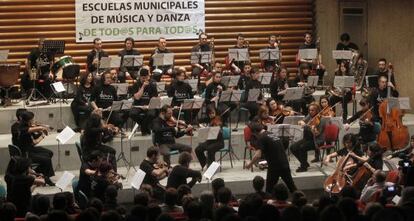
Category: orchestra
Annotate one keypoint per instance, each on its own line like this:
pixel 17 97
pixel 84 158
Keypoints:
pixel 95 95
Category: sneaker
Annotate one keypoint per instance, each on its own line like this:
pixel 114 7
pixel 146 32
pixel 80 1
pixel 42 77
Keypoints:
pixel 301 169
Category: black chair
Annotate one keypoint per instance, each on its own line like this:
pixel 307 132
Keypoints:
pixel 15 151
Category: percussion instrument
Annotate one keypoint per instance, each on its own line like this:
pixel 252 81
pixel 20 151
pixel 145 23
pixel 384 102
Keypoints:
pixel 9 74
pixel 65 68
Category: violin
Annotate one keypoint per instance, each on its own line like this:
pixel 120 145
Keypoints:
pixel 179 124
pixel 216 121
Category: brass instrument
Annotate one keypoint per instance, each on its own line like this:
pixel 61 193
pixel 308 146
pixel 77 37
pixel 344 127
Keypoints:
pixel 359 70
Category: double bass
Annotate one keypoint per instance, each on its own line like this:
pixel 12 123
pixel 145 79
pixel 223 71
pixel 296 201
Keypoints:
pixel 393 135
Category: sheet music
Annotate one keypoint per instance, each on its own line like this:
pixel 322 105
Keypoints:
pixel 193 83
pixel 293 93
pixel 234 80
pixel 105 63
pixel 4 54
pixel 198 103
pixel 116 105
pixel 293 120
pixel 269 54
pixel 160 86
pixel 133 131
pixel 239 54
pixel 65 180
pixel 253 94
pixel 225 96
pixel 187 104
pixel 136 181
pixel 308 54
pixel 404 103
pixel 58 86
pixel 163 59
pixel 166 100
pixel 127 104
pixel 342 54
pixel 208 133
pixel 115 61
pixel 236 96
pixel 313 81
pixel 121 88
pixel 265 78
pixel 211 170
pixel 155 103
pixel 133 60
pixel 65 135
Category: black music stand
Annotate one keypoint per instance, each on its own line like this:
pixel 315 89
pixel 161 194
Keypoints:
pixel 52 48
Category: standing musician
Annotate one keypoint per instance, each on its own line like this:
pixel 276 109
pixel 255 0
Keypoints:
pixel 39 62
pixel 95 134
pixel 253 83
pixel 212 96
pixel 237 66
pixel 244 76
pixel 274 153
pixel 346 44
pixel 154 171
pixel 180 90
pixel 166 69
pixel 165 132
pixel 143 90
pixel 272 65
pixel 30 135
pixel 102 98
pixel 94 57
pixel 81 102
pixel 308 44
pixel 210 146
pixel 279 85
pixel 316 64
pixel 128 72
pixel 301 81
pixel 367 132
pixel 343 95
pixel 383 70
pixel 312 137
pixel 350 145
pixel 202 46
pixel 379 94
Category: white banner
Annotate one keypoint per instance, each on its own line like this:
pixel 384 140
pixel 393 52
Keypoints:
pixel 114 20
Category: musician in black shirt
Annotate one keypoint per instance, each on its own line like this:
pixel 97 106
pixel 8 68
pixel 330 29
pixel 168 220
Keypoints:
pixel 272 148
pixel 240 44
pixel 367 132
pixel 143 90
pixel 180 90
pixel 272 65
pixel 244 76
pixel 102 98
pixel 181 172
pixel 202 46
pixel 279 85
pixel 377 95
pixel 80 105
pixel 128 72
pixel 254 83
pixel 164 134
pixel 94 57
pixel 165 69
pixel 15 127
pixel 154 171
pixel 350 145
pixel 383 70
pixel 87 170
pixel 346 44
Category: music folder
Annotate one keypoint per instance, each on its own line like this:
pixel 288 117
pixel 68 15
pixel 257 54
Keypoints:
pixel 65 135
pixel 293 119
pixel 342 54
pixel 58 87
pixel 239 54
pixel 308 54
pixel 293 93
pixel 211 170
pixel 163 59
pixel 133 60
pixel 137 179
pixel 65 180
pixel 208 133
pixel 269 54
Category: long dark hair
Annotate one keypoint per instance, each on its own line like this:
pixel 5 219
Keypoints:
pixel 26 117
pixel 84 78
pixel 94 121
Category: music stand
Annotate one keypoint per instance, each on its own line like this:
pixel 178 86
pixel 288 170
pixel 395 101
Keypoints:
pixel 163 59
pixel 342 54
pixel 125 105
pixel 208 133
pixel 201 57
pixel 239 54
pixel 129 61
pixel 269 54
pixel 193 83
pixel 58 89
pixel 265 78
pixel 308 54
pixel 160 86
pixel 313 81
pixel 253 95
pixel 293 93
pixel 372 81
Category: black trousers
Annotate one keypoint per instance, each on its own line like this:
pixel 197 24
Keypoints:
pixel 43 157
pixel 80 113
pixel 166 148
pixel 344 101
pixel 143 118
pixel 300 150
pixel 211 146
pixel 273 176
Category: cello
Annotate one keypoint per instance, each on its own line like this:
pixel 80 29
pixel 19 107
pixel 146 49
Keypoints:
pixel 339 179
pixel 393 135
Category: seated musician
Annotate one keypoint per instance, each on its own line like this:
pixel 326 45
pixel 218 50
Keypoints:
pixel 210 146
pixel 102 98
pixel 275 110
pixel 279 85
pixel 128 72
pixel 212 96
pixel 312 136
pixel 272 65
pixel 218 68
pixel 202 46
pixel 30 135
pixel 405 153
pixel 343 95
pixel 165 69
pixel 40 62
pixel 373 161
pixel 182 171
pixel 244 76
pixel 95 134
pixel 180 90
pixel 143 90
pixel 316 66
pixel 88 168
pixel 165 134
pixel 237 66
pixel 307 44
pixel 253 83
pixel 346 44
pixel 383 69
pixel 81 102
pixel 366 132
pixel 154 171
pixel 94 57
pixel 349 142
pixel 102 179
pixel 300 81
pixel 327 111
pixel 377 95
pixel 264 117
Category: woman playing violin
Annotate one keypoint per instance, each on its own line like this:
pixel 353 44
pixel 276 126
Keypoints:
pixel 276 110
pixel 263 115
pixel 210 146
pixel 327 111
pixel 367 132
